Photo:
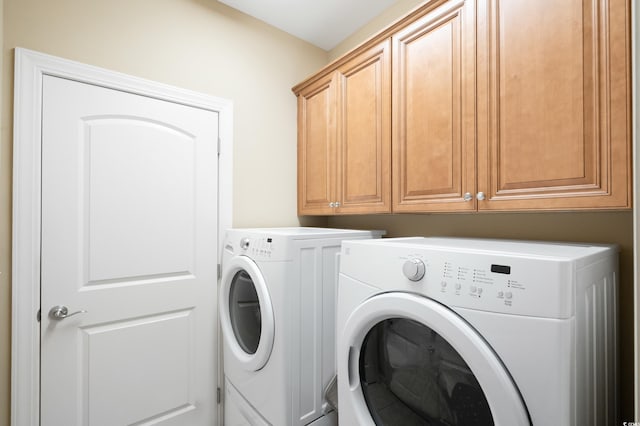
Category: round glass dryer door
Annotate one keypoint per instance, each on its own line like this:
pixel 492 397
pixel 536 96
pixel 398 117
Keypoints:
pixel 246 314
pixel 412 361
pixel 411 375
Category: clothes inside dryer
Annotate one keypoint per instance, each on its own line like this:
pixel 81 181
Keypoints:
pixel 411 376
pixel 244 312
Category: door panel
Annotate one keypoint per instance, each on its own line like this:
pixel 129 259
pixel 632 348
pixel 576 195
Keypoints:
pixel 553 92
pixel 129 234
pixel 364 157
pixel 316 148
pixel 434 109
pixel 166 379
pixel 555 108
pixel 157 190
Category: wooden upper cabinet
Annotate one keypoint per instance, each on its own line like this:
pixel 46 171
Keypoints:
pixel 316 147
pixel 554 105
pixel 364 132
pixel 482 105
pixel 344 137
pixel 434 111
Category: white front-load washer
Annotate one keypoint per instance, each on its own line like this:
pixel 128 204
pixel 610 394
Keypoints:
pixel 446 331
pixel 277 314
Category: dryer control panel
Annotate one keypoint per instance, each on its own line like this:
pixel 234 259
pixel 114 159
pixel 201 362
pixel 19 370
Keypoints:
pixel 481 283
pixel 490 282
pixel 512 278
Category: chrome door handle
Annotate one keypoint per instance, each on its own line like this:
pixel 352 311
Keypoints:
pixel 61 312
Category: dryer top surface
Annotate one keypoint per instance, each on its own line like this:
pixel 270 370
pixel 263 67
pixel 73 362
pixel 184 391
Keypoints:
pixel 548 249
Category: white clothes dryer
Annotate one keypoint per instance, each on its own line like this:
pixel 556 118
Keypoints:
pixel 446 331
pixel 277 314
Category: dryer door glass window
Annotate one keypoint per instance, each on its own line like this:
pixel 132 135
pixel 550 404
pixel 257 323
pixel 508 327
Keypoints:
pixel 410 375
pixel 244 312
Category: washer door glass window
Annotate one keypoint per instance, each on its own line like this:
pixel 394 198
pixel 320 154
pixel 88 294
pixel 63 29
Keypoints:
pixel 244 312
pixel 411 375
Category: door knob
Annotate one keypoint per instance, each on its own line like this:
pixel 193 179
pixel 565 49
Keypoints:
pixel 61 312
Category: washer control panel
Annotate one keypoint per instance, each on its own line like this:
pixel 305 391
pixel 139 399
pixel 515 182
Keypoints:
pixel 260 248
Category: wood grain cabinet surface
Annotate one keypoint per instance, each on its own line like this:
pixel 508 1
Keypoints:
pixel 434 143
pixel 344 137
pixel 554 104
pixel 316 147
pixel 485 105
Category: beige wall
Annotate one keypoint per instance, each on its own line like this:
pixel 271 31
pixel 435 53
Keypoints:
pixel 200 45
pixel 393 13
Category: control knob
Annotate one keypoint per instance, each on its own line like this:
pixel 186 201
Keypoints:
pixel 413 269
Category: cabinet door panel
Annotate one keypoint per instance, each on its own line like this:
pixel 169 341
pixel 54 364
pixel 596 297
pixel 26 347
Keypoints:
pixel 364 154
pixel 553 135
pixel 316 147
pixel 434 135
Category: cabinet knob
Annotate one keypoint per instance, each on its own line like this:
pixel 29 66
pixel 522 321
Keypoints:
pixel 332 204
pixel 468 196
pixel 480 196
pixel 337 203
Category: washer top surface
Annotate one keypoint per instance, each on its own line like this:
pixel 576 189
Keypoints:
pixel 301 232
pixel 277 244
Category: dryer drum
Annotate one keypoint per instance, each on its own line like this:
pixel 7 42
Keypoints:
pixel 412 376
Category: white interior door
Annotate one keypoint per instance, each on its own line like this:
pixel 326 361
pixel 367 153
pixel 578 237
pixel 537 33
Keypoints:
pixel 129 235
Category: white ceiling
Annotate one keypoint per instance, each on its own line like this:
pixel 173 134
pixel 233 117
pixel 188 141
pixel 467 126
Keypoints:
pixel 323 23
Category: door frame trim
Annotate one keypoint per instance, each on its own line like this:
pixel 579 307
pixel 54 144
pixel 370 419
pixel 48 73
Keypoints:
pixel 30 68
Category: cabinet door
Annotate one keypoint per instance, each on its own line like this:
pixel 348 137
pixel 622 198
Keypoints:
pixel 553 97
pixel 364 132
pixel 316 148
pixel 434 111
